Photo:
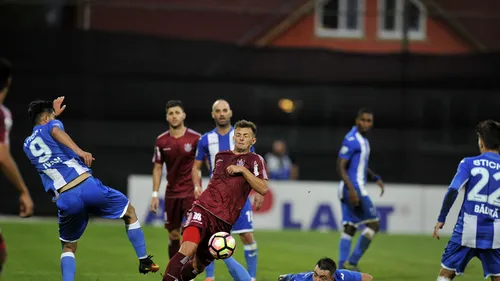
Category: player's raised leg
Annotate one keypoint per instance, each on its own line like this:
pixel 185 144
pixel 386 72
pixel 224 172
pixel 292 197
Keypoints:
pixel 112 204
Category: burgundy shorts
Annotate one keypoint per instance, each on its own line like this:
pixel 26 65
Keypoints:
pixel 208 225
pixel 175 210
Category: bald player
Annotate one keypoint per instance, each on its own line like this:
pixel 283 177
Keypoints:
pixel 221 139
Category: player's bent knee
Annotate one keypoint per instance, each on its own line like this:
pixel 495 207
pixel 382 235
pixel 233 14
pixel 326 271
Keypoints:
pixel 69 246
pixel 445 273
pixel 375 226
pixel 174 234
pixel 247 238
pixel 349 230
pixel 130 216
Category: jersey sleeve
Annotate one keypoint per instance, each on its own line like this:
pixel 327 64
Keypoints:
pixel 347 150
pixel 462 175
pixel 158 155
pixel 201 150
pixel 259 168
pixel 347 275
pixel 55 123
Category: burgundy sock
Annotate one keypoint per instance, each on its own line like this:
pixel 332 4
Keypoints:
pixel 174 267
pixel 188 272
pixel 173 248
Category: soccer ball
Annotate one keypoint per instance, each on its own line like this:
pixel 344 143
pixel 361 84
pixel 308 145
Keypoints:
pixel 221 245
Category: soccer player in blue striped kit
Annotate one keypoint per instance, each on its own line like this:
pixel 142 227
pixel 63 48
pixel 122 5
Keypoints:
pixel 357 207
pixel 220 139
pixel 477 231
pixel 76 192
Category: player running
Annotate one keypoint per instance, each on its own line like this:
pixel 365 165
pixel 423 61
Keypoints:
pixel 176 148
pixel 7 162
pixel 357 207
pixel 236 172
pixel 220 139
pixel 76 192
pixel 477 231
pixel 326 270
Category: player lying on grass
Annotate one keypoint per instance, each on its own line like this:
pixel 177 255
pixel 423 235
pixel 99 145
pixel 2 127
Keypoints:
pixel 326 270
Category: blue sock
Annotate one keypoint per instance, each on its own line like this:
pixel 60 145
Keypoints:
pixel 363 242
pixel 251 258
pixel 344 248
pixel 237 271
pixel 136 237
pixel 210 270
pixel 68 266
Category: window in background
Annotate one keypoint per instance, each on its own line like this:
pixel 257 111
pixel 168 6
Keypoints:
pixel 340 18
pixel 390 19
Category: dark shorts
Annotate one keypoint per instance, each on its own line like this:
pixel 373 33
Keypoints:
pixel 175 210
pixel 208 225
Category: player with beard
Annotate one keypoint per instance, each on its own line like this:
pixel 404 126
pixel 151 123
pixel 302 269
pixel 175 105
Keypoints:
pixel 221 139
pixel 176 148
pixel 357 207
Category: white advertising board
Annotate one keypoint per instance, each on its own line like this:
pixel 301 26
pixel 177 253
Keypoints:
pixel 311 205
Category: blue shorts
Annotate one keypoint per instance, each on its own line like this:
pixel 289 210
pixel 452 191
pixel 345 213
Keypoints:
pixel 456 257
pixel 89 197
pixel 363 213
pixel 244 223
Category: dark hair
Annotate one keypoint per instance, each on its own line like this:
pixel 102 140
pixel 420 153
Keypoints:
pixel 246 124
pixel 489 132
pixel 364 111
pixel 37 108
pixel 327 264
pixel 174 103
pixel 5 72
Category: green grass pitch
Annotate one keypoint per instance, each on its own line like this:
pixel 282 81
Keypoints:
pixel 104 254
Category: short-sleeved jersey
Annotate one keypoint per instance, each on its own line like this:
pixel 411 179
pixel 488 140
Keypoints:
pixel 478 224
pixel 178 155
pixel 56 164
pixel 226 195
pixel 340 275
pixel 212 143
pixel 356 149
pixel 5 124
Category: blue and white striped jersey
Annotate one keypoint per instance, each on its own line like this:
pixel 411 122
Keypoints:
pixel 340 275
pixel 478 224
pixel 356 149
pixel 56 163
pixel 211 143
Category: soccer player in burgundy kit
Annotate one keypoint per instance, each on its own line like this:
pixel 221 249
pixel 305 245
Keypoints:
pixel 176 148
pixel 7 163
pixel 235 174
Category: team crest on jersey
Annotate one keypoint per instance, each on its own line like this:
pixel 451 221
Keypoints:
pixel 188 147
pixel 240 162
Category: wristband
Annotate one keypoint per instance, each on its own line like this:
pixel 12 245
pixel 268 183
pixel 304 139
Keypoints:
pixel 377 178
pixel 155 194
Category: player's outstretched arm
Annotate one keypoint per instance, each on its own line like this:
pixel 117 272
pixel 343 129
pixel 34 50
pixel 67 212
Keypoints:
pixel 62 137
pixel 9 168
pixel 258 184
pixel 366 277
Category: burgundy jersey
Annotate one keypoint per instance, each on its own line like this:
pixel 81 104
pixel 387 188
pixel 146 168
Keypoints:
pixel 5 124
pixel 226 195
pixel 178 155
